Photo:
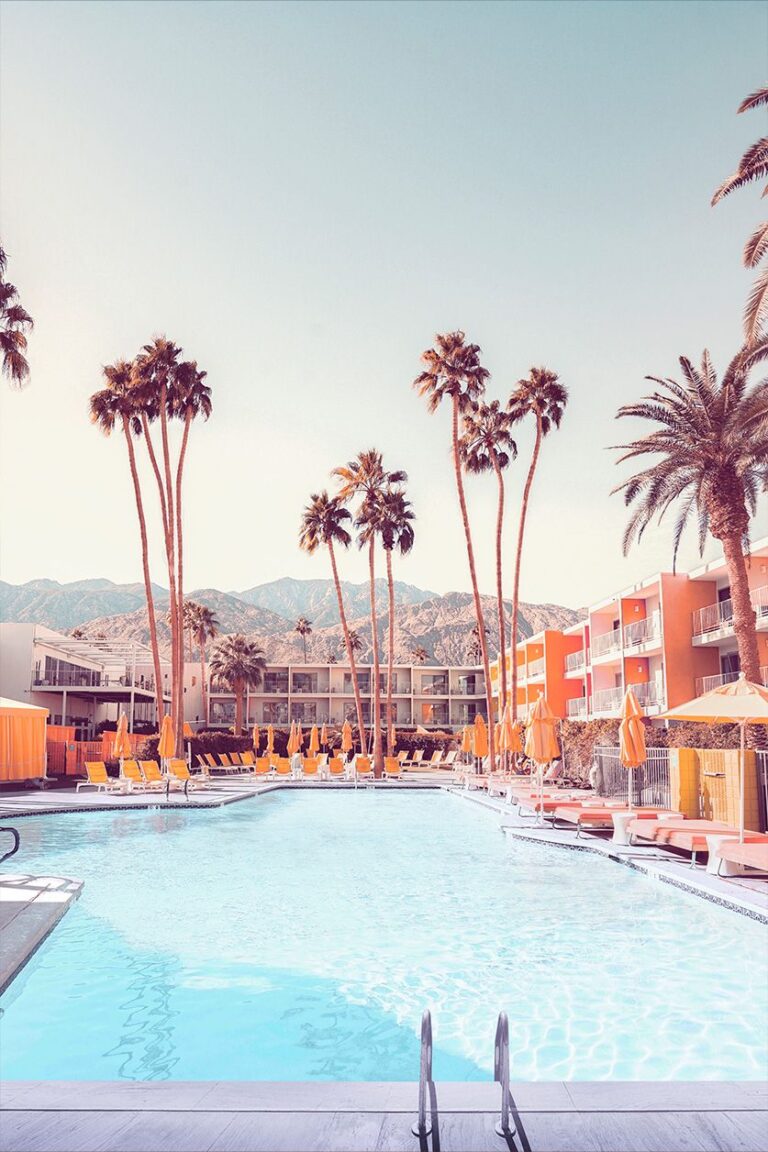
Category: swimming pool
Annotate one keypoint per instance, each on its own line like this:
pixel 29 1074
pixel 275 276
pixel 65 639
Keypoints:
pixel 300 935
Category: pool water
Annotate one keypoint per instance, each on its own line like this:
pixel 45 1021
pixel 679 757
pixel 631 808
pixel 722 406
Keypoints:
pixel 299 936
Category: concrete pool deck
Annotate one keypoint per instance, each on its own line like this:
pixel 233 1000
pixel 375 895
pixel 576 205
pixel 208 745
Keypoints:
pixel 203 1116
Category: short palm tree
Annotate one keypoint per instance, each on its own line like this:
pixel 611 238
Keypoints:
pixel 752 166
pixel 710 449
pixel 475 649
pixel 487 446
pixel 356 641
pixel 542 396
pixel 453 371
pixel 419 655
pixel 366 478
pixel 304 629
pixel 206 627
pixel 190 610
pixel 15 322
pixel 240 664
pixel 114 406
pixel 395 526
pixel 323 522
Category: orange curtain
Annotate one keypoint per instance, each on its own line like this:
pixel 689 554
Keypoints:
pixel 22 741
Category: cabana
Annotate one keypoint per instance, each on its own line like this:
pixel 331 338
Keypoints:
pixel 22 741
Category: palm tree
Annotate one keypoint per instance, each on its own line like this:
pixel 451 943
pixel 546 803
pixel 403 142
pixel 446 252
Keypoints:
pixel 752 166
pixel 113 406
pixel 366 477
pixel 356 641
pixel 323 522
pixel 475 649
pixel 77 634
pixel 396 531
pixel 189 398
pixel 156 369
pixel 453 370
pixel 486 446
pixel 15 321
pixel 191 608
pixel 542 396
pixel 206 627
pixel 710 448
pixel 304 629
pixel 419 654
pixel 240 664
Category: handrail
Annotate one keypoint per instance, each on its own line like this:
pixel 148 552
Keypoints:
pixel 501 1074
pixel 423 1126
pixel 16 842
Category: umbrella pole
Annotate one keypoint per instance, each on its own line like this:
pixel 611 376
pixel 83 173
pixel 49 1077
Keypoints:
pixel 540 772
pixel 742 728
pixel 631 790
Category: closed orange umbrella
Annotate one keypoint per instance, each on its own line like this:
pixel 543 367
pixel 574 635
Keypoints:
pixel 516 738
pixel 541 741
pixel 256 737
pixel 270 739
pixel 466 739
pixel 314 741
pixel 291 746
pixel 631 736
pixel 481 737
pixel 393 737
pixel 324 737
pixel 187 732
pixel 166 746
pixel 122 746
pixel 346 737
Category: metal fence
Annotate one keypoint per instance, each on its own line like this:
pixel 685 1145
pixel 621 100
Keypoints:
pixel 650 784
pixel 762 786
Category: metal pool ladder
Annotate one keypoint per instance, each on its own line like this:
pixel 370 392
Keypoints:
pixel 501 1074
pixel 423 1126
pixel 16 842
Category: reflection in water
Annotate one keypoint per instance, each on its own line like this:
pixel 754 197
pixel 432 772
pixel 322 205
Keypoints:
pixel 146 1046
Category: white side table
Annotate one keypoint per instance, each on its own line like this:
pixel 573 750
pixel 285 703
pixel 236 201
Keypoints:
pixel 716 866
pixel 621 822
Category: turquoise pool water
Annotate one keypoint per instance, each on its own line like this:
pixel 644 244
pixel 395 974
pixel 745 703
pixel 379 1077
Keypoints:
pixel 300 936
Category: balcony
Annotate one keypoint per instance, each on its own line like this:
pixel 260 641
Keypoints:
pixel 577 709
pixel 536 668
pixel 606 700
pixel 476 689
pixel 707 683
pixel 717 619
pixel 642 631
pixel 436 688
pixel 606 644
pixel 575 662
pixel 648 694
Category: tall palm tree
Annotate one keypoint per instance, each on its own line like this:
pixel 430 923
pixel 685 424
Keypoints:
pixel 304 629
pixel 356 642
pixel 156 370
pixel 710 450
pixel 324 521
pixel 240 664
pixel 396 530
pixel 191 608
pixel 114 406
pixel 366 477
pixel 475 649
pixel 542 396
pixel 15 322
pixel 189 399
pixel 453 370
pixel 487 446
pixel 206 627
pixel 752 166
pixel 419 654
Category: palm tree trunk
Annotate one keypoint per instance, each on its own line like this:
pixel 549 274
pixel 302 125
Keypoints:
pixel 180 571
pixel 147 579
pixel 378 760
pixel 304 640
pixel 500 589
pixel 239 693
pixel 744 616
pixel 473 577
pixel 203 685
pixel 518 560
pixel 166 507
pixel 390 649
pixel 350 651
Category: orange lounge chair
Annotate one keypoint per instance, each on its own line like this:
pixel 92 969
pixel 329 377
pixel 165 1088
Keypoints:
pixel 310 767
pixel 415 759
pixel 750 854
pixel 262 767
pixel 598 818
pixel 180 775
pixel 247 759
pixel 363 768
pixel 392 768
pixel 150 770
pixel 99 779
pixel 687 835
pixel 283 766
pixel 337 767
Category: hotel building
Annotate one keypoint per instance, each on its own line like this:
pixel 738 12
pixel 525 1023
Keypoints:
pixel 669 638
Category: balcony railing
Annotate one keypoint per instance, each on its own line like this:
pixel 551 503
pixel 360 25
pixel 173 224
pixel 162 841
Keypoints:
pixel 607 642
pixel 642 631
pixel 648 694
pixel 707 683
pixel 577 709
pixel 466 690
pixel 607 700
pixel 536 667
pixel 719 617
pixel 89 679
pixel 574 661
pixel 440 688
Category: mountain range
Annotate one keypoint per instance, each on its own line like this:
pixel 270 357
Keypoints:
pixel 268 612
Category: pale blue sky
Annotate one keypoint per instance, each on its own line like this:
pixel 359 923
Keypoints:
pixel 301 195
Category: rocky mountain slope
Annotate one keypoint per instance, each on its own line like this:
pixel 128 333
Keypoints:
pixel 316 599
